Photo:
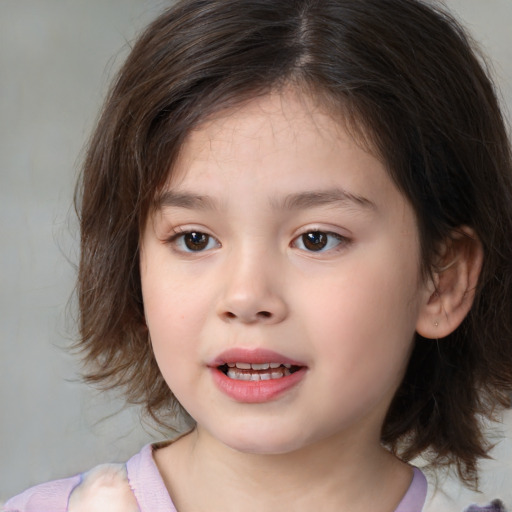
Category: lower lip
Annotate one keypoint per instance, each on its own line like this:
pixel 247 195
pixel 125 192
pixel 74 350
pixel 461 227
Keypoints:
pixel 254 392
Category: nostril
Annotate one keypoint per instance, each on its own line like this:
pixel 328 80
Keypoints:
pixel 248 317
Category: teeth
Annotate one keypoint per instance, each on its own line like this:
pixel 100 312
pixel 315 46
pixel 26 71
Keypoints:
pixel 236 374
pixel 257 371
pixel 257 366
pixel 263 366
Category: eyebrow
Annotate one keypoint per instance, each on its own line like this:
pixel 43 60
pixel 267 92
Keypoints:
pixel 314 198
pixel 296 201
pixel 185 200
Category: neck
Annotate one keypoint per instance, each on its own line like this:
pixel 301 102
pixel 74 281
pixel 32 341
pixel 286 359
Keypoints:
pixel 204 474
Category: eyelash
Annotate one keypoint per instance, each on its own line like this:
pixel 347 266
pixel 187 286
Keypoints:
pixel 178 241
pixel 340 241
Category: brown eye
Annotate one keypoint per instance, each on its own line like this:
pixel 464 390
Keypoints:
pixel 314 241
pixel 195 241
pixel 320 241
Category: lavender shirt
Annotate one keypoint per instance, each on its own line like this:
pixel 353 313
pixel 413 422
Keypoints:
pixel 136 486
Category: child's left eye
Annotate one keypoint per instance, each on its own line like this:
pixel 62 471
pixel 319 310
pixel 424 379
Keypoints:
pixel 318 241
pixel 194 241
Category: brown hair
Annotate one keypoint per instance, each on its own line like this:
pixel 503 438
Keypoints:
pixel 407 75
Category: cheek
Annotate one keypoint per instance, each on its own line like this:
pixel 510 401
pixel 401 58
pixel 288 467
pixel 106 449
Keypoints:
pixel 171 339
pixel 169 305
pixel 166 317
pixel 172 323
pixel 365 319
pixel 176 316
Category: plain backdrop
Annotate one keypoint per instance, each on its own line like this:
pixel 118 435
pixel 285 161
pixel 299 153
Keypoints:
pixel 56 58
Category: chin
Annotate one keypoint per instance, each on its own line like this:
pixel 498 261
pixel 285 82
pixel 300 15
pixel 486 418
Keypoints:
pixel 268 440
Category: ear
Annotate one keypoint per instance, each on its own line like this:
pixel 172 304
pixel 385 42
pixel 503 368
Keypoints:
pixel 449 294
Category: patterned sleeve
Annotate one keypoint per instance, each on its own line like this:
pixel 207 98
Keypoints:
pixel 52 496
pixel 103 489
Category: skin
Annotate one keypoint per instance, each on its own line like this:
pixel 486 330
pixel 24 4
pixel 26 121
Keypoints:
pixel 347 312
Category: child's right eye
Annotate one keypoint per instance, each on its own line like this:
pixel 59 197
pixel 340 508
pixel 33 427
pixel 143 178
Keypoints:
pixel 194 241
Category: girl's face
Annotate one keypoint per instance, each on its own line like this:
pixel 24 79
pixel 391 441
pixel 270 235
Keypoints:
pixel 281 280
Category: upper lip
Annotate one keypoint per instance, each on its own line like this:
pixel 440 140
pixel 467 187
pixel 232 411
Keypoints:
pixel 256 355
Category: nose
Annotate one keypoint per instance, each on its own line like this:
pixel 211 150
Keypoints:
pixel 252 292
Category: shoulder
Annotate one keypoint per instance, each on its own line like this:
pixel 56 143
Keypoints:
pixel 105 488
pixel 50 496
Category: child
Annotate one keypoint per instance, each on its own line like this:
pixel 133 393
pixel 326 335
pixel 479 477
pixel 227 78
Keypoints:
pixel 296 220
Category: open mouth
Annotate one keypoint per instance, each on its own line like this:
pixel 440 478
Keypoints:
pixel 256 375
pixel 257 371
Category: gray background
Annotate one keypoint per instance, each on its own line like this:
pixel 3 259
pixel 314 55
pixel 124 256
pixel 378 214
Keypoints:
pixel 56 57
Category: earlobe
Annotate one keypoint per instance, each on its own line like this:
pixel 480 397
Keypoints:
pixel 450 293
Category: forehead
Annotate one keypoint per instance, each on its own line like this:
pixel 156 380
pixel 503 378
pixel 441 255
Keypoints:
pixel 268 134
